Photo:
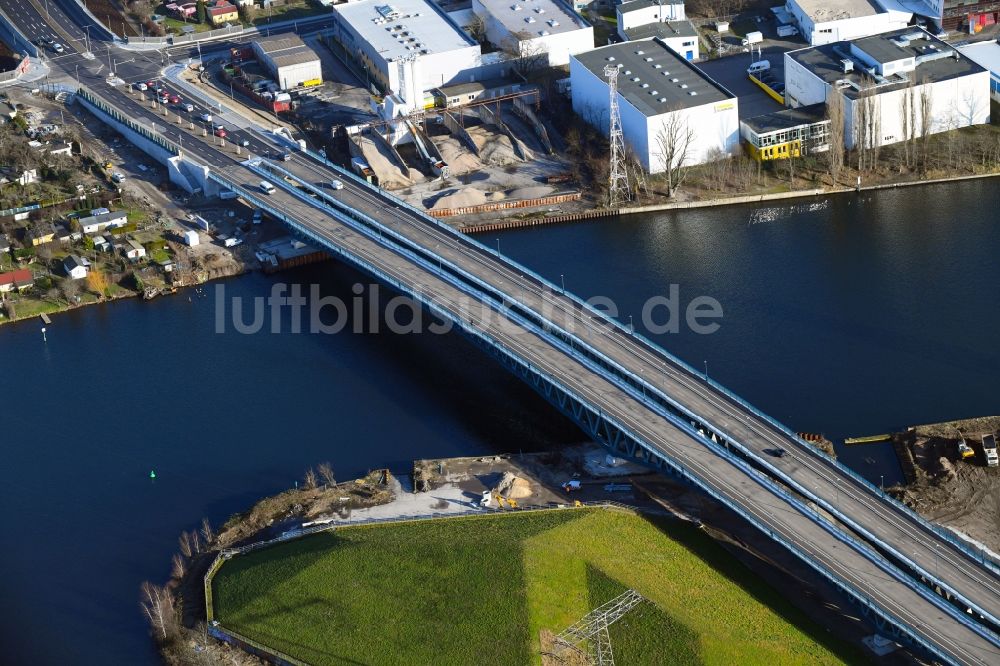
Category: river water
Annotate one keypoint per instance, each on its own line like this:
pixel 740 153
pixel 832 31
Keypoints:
pixel 852 316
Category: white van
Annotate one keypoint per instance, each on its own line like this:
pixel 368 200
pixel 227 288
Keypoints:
pixel 759 66
pixel 266 187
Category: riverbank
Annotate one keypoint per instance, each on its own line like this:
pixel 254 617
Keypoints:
pixel 542 218
pixel 962 493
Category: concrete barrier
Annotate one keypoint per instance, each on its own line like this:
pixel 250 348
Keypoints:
pixel 525 111
pixel 453 126
pixel 505 205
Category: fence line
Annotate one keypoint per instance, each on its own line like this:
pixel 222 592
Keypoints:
pixel 506 205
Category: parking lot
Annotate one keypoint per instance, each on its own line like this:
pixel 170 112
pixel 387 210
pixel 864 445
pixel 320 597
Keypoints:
pixel 731 72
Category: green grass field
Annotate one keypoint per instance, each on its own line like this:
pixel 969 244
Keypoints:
pixel 480 590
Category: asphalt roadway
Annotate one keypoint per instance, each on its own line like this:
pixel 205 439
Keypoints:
pixel 813 474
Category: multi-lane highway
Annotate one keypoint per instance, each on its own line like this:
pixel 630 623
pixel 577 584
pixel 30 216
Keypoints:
pixel 637 386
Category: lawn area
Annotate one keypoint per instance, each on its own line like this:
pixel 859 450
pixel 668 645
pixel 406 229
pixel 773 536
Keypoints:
pixel 288 12
pixel 475 590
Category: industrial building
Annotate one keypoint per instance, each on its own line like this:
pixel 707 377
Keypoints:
pixel 408 47
pixel 681 36
pixel 828 21
pixel 289 61
pixel 658 89
pixel 986 54
pixel 548 29
pixel 881 75
pixel 634 13
pixel 787 133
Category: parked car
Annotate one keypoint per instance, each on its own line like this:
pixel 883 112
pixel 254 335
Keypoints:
pixel 206 117
pixel 118 177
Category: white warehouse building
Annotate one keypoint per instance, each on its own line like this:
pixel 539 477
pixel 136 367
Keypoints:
pixel 657 89
pixel 634 13
pixel 407 47
pixel 828 21
pixel 289 60
pixel 530 28
pixel 885 74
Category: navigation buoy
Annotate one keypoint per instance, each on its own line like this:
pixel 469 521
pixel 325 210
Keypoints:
pixel 152 474
pixel 44 337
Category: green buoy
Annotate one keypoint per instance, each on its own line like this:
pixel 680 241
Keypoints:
pixel 152 474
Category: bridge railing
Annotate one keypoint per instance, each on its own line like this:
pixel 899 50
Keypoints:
pixel 977 554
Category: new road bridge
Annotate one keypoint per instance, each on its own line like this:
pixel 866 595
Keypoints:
pixel 918 582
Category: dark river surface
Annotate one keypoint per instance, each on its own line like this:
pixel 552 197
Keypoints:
pixel 851 316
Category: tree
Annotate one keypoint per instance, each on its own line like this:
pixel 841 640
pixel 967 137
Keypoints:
pixel 674 143
pixel 835 113
pixel 326 473
pixel 184 541
pixel 309 481
pixel 907 123
pixel 526 54
pixel 926 120
pixel 867 127
pixel 97 281
pixel 70 289
pixel 249 13
pixel 207 534
pixel 158 606
pixel 201 11
pixel 178 566
pixel 477 28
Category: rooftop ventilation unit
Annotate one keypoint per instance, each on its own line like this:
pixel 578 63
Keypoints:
pixel 640 52
pixel 654 93
pixel 657 66
pixel 847 65
pixel 387 11
pixel 516 7
pixel 684 86
pixel 636 79
pixel 645 85
pixel 648 59
pixel 693 93
pixel 554 23
pixel 543 33
pixel 673 80
pixel 529 19
pixel 610 58
pixel 539 10
pixel 663 100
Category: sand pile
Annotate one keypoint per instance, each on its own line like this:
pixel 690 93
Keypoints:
pixel 389 175
pixel 459 158
pixel 495 149
pixel 462 198
pixel 535 192
pixel 513 486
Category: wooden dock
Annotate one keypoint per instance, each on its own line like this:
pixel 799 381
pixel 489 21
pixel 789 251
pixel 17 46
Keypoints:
pixel 45 319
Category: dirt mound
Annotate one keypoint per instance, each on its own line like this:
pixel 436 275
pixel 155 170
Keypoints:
pixel 513 486
pixel 535 192
pixel 460 198
pixel 460 160
pixel 389 174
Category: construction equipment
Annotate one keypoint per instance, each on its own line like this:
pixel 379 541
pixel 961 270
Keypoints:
pixel 990 450
pixel 500 501
pixel 964 450
pixel 571 486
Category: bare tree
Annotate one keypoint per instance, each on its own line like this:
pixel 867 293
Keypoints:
pixel 477 28
pixel 326 473
pixel 207 534
pixel 674 143
pixel 184 541
pixel 178 566
pixel 310 479
pixel 907 116
pixel 835 113
pixel 867 128
pixel 526 55
pixel 70 289
pixel 926 120
pixel 158 605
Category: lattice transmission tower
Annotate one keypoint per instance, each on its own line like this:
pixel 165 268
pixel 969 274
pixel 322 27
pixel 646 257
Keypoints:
pixel 589 635
pixel 618 189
